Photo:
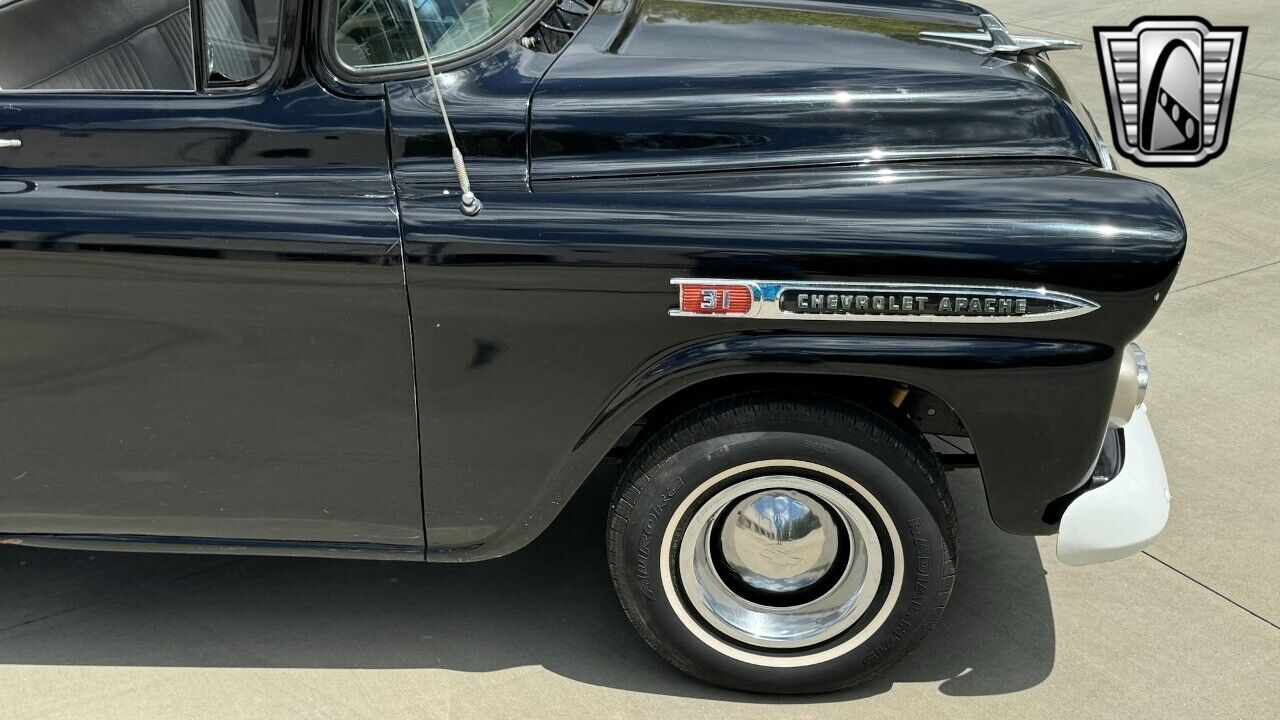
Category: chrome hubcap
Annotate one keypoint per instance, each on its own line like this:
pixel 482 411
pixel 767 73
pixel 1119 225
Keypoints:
pixel 779 541
pixel 780 562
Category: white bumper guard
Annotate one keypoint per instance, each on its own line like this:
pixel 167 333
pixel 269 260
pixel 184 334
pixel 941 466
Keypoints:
pixel 1126 514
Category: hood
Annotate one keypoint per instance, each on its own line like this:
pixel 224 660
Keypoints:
pixel 654 86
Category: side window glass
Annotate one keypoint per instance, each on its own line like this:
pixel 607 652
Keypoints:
pixel 130 45
pixel 379 33
pixel 110 45
pixel 241 37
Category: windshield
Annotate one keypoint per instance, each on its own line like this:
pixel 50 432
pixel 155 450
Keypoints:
pixel 372 33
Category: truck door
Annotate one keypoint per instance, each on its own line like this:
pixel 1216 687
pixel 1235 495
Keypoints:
pixel 203 324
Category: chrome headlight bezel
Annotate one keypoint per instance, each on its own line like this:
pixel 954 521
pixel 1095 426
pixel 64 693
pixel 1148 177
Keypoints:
pixel 1099 143
pixel 1131 386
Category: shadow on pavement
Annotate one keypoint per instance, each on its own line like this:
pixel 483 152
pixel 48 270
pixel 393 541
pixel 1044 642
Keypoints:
pixel 550 604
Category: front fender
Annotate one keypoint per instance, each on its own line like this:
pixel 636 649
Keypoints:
pixel 542 328
pixel 1035 409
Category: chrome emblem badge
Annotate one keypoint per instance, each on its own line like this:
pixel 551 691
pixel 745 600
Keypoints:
pixel 994 39
pixel 1171 84
pixel 869 302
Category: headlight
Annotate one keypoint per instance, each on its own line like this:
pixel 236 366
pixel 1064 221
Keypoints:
pixel 1131 386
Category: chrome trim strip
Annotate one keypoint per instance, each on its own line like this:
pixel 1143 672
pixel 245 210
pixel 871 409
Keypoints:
pixel 766 299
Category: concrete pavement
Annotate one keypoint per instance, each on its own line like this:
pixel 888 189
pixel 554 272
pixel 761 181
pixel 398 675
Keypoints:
pixel 539 634
pixel 1190 628
pixel 1214 346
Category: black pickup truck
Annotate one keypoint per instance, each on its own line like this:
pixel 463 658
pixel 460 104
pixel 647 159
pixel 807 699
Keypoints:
pixel 393 278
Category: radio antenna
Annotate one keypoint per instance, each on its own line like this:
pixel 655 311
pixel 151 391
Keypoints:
pixel 470 205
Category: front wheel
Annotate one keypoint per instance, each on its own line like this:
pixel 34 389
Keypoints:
pixel 783 544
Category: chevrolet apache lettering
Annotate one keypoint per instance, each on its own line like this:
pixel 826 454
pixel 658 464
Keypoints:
pixel 396 279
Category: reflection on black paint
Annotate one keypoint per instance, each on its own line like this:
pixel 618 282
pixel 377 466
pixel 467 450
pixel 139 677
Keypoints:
pixel 568 268
pixel 485 352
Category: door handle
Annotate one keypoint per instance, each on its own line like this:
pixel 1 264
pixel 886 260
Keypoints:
pixel 10 143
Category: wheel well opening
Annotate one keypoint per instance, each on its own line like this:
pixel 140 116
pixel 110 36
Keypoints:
pixel 912 407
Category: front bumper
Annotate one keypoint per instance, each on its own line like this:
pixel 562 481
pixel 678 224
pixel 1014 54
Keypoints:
pixel 1126 514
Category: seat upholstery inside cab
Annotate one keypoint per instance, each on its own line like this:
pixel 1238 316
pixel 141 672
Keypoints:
pixel 96 45
pixel 130 44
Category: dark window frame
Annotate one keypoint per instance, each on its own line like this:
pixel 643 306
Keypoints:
pixel 198 46
pixel 518 26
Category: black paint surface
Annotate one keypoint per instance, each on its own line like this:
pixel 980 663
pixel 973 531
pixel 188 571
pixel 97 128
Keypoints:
pixel 204 314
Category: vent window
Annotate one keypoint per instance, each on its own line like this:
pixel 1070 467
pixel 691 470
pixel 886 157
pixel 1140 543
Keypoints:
pixel 555 29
